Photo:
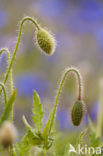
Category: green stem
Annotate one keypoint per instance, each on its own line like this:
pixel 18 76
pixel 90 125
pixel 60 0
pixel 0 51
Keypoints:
pixel 100 110
pixel 60 88
pixel 18 41
pixel 10 75
pixel 44 152
pixel 12 151
pixel 14 54
pixel 4 90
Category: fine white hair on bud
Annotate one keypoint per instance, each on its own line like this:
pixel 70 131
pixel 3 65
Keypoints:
pixel 45 41
pixel 8 134
pixel 77 112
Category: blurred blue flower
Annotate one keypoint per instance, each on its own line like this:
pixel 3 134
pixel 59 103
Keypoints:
pixel 91 10
pixel 86 17
pixel 99 38
pixel 3 18
pixel 28 82
pixel 92 114
pixel 85 119
pixel 94 111
pixel 51 8
pixel 63 119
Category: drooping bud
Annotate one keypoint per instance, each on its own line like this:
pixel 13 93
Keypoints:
pixel 77 113
pixel 45 41
pixel 8 134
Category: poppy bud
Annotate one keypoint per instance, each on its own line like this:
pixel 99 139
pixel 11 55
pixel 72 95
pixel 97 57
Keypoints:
pixel 45 41
pixel 8 134
pixel 77 113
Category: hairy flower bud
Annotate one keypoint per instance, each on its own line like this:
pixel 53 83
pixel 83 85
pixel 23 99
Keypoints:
pixel 77 113
pixel 45 41
pixel 8 134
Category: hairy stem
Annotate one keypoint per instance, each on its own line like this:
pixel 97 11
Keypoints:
pixel 18 41
pixel 4 90
pixel 14 54
pixel 10 75
pixel 60 88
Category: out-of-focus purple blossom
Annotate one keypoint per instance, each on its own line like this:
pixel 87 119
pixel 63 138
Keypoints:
pixel 82 17
pixel 86 17
pixel 91 11
pixel 51 8
pixel 99 38
pixel 85 118
pixel 94 111
pixel 93 114
pixel 3 18
pixel 28 82
pixel 63 119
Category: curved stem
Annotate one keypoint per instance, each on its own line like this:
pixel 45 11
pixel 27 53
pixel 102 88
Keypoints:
pixel 18 41
pixel 10 75
pixel 14 53
pixel 60 88
pixel 63 79
pixel 4 90
pixel 5 50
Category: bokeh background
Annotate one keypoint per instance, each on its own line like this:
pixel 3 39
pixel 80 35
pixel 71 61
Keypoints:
pixel 78 29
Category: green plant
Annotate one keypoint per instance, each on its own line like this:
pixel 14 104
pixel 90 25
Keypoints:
pixel 46 43
pixel 43 39
pixel 77 112
pixel 38 136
